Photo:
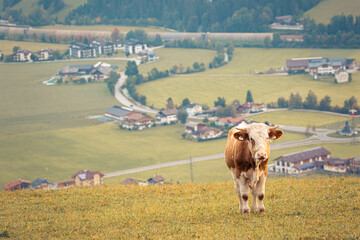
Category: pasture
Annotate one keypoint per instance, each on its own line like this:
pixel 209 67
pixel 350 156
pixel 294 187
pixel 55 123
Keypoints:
pixel 178 56
pixel 326 9
pixel 232 80
pixel 7 46
pixel 216 170
pixel 321 208
pixel 58 154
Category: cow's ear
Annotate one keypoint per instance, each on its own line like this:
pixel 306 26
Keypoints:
pixel 241 134
pixel 275 133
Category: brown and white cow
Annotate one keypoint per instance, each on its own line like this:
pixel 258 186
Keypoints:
pixel 246 155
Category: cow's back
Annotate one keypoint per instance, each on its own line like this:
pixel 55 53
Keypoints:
pixel 237 154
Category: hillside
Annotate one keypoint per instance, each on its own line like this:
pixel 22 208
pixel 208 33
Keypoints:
pixel 325 208
pixel 325 10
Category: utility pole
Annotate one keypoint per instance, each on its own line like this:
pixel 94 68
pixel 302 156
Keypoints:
pixel 191 170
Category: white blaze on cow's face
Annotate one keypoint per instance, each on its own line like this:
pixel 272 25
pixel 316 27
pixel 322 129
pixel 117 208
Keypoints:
pixel 258 136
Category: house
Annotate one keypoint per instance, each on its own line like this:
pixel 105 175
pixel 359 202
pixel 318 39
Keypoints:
pixel 45 54
pixel 98 71
pixel 251 107
pixel 75 70
pixel 118 44
pixel 285 20
pixel 297 64
pixel 22 55
pixel 66 184
pixel 129 181
pixel 16 185
pixel 342 76
pixel 102 47
pixel 351 63
pixel 230 121
pixel 156 179
pixel 88 178
pixel 300 162
pixel 148 56
pixel 136 121
pixel 167 116
pixel 192 109
pixel 201 131
pixel 336 165
pixel 117 113
pixel 354 164
pixel 42 184
pixel 134 46
pixel 82 50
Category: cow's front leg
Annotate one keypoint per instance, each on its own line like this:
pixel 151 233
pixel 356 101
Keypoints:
pixel 259 192
pixel 254 204
pixel 237 188
pixel 245 193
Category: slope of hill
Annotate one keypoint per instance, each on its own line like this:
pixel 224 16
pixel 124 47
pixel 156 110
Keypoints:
pixel 325 10
pixel 323 208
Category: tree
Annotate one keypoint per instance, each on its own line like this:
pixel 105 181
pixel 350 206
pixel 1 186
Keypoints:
pixel 170 104
pixel 220 102
pixel 16 48
pixel 350 103
pixel 185 102
pixel 311 101
pixel 182 116
pixel 157 41
pixel 282 102
pixel 249 97
pixel 295 101
pixel 131 69
pixel 324 104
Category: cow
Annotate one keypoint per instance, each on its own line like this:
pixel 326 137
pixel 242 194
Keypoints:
pixel 247 153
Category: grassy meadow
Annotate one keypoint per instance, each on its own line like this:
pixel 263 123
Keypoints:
pixel 321 208
pixel 178 56
pixel 7 46
pixel 216 170
pixel 229 81
pixel 326 9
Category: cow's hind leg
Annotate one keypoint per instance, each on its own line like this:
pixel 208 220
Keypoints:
pixel 237 188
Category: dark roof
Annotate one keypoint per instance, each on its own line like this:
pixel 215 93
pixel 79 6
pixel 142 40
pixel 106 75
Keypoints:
pixel 350 61
pixel 303 155
pixel 86 174
pixel 168 112
pixel 14 184
pixel 129 181
pixel 117 111
pixel 85 67
pixel 336 161
pixel 156 179
pixel 297 63
pixel 40 181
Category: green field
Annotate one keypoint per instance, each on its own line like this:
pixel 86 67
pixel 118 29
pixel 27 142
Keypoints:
pixel 228 82
pixel 216 170
pixel 321 208
pixel 178 56
pixel 103 28
pixel 7 46
pixel 326 9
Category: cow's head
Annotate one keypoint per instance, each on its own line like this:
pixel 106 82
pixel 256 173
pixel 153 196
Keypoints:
pixel 257 135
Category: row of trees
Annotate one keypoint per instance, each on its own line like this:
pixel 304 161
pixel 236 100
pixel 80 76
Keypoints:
pixel 189 15
pixel 295 101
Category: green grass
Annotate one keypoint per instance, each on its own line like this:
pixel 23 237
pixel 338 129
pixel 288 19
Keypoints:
pixel 26 104
pixel 7 46
pixel 216 170
pixel 326 9
pixel 321 208
pixel 266 89
pixel 102 147
pixel 299 118
pixel 103 28
pixel 176 56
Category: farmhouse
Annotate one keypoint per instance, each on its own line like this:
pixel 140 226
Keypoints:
pixel 45 54
pixel 129 181
pixel 117 113
pixel 230 121
pixel 98 71
pixel 88 178
pixel 134 46
pixel 301 162
pixel 22 55
pixel 250 107
pixel 156 179
pixel 136 121
pixel 354 164
pixel 82 50
pixel 16 185
pixel 336 165
pixel 167 116
pixel 192 109
pixel 148 56
pixel 201 131
pixel 66 184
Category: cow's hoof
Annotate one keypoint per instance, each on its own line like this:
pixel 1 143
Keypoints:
pixel 254 210
pixel 261 210
pixel 246 211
